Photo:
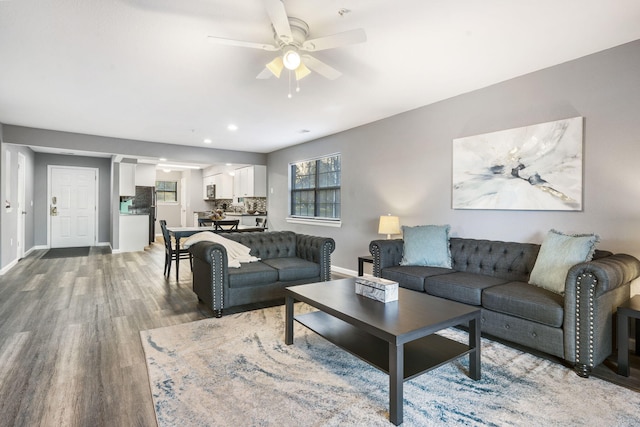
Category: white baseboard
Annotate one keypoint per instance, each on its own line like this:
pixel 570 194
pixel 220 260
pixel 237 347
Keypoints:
pixel 103 244
pixel 344 271
pixel 8 267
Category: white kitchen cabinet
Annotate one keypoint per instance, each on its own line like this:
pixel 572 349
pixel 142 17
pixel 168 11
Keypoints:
pixel 250 181
pixel 145 175
pixel 127 179
pixel 224 185
pixel 207 180
pixel 133 233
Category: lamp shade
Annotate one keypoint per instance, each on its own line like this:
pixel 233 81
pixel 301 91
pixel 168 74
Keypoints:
pixel 389 225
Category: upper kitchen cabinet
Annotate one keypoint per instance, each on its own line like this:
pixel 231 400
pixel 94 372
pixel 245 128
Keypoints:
pixel 224 185
pixel 206 181
pixel 127 179
pixel 250 181
pixel 145 175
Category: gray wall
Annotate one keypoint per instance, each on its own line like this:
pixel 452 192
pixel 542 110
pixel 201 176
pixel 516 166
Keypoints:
pixel 402 165
pixel 42 161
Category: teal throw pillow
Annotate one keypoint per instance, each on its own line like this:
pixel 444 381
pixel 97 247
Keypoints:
pixel 426 245
pixel 558 253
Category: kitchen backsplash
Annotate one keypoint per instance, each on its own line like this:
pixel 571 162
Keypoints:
pixel 250 203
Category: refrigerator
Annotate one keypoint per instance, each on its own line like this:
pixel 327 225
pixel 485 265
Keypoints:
pixel 144 203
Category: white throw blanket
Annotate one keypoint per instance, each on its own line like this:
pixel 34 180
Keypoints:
pixel 236 252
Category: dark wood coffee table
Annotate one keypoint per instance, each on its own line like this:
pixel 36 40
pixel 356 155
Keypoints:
pixel 397 337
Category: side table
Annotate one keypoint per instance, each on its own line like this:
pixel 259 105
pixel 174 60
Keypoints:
pixel 628 310
pixel 361 261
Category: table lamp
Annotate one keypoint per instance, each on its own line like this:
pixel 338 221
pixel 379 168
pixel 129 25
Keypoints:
pixel 389 225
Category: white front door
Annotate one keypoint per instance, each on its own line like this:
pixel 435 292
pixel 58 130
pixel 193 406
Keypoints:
pixel 72 206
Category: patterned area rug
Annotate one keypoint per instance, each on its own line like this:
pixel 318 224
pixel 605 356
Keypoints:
pixel 237 371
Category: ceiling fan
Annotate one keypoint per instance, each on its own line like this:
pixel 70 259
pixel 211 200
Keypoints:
pixel 290 36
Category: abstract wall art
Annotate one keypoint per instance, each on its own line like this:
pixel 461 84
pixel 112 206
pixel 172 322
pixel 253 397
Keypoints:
pixel 537 167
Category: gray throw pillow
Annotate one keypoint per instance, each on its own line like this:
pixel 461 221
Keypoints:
pixel 426 245
pixel 558 253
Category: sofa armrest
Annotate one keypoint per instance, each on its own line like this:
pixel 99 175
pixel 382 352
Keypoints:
pixel 608 272
pixel 593 291
pixel 386 253
pixel 316 249
pixel 210 274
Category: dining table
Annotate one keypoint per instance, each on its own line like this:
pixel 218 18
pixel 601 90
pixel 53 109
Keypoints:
pixel 180 232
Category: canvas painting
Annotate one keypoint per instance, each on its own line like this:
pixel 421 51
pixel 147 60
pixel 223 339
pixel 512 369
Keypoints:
pixel 536 167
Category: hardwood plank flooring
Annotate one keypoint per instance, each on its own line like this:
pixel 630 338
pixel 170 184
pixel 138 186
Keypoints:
pixel 70 350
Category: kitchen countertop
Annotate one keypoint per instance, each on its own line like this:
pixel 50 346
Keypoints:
pixel 243 214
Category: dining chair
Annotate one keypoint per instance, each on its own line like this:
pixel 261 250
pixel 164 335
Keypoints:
pixel 261 222
pixel 205 222
pixel 230 224
pixel 172 253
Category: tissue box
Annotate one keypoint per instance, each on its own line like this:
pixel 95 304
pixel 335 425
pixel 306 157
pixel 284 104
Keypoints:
pixel 376 288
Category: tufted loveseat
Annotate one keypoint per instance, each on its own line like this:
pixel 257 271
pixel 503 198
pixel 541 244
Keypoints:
pixel 286 259
pixel 576 326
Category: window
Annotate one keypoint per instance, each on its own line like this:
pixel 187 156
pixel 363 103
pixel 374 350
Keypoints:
pixel 167 191
pixel 315 188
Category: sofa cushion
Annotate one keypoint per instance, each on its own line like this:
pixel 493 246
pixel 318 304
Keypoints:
pixel 558 253
pixel 293 268
pixel 526 301
pixel 426 245
pixel 412 277
pixel 460 286
pixel 252 274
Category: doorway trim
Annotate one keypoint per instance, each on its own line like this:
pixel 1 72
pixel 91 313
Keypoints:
pixel 22 205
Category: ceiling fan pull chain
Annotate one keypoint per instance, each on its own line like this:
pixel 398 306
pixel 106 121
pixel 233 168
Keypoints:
pixel 289 96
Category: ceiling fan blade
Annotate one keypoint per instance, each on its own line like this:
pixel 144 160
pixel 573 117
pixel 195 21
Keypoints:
pixel 265 74
pixel 278 15
pixel 230 42
pixel 320 67
pixel 335 40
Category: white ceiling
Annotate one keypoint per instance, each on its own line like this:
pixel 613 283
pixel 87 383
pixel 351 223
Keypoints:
pixel 143 69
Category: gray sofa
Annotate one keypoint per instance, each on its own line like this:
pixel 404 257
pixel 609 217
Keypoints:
pixel 577 327
pixel 286 259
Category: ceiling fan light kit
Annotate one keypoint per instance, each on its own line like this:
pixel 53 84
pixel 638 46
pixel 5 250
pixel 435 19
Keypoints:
pixel 290 36
pixel 291 58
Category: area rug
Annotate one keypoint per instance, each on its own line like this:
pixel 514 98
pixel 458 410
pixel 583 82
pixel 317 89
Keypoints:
pixel 66 252
pixel 237 371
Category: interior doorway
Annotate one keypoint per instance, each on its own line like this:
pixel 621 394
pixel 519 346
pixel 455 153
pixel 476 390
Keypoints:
pixel 183 202
pixel 22 206
pixel 73 207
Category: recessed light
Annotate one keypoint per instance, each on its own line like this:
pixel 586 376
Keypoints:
pixel 207 141
pixel 232 127
pixel 228 164
pixel 162 159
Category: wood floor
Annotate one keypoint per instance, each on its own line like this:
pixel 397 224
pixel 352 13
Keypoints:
pixel 70 350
